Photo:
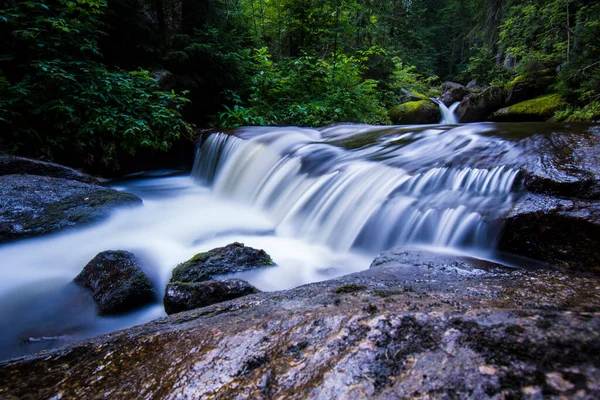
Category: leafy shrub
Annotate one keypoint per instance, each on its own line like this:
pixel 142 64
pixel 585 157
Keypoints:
pixel 57 101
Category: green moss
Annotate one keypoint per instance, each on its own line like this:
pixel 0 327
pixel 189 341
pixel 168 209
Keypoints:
pixel 350 288
pixel 542 105
pixel 416 112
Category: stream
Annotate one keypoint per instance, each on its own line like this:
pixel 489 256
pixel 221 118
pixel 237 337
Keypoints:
pixel 321 202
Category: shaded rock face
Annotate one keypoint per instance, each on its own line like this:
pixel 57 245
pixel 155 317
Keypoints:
pixel 562 232
pixel 416 112
pixel 36 205
pixel 452 92
pixel 476 86
pixel 188 296
pixel 165 79
pixel 558 222
pixel 444 328
pixel 525 87
pixel 12 165
pixel 477 106
pixel 117 282
pixel 230 259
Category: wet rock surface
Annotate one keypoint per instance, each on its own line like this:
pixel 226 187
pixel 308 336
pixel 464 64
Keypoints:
pixel 13 165
pixel 452 92
pixel 562 232
pixel 117 282
pixel 478 106
pixel 188 296
pixel 564 164
pixel 415 324
pixel 230 259
pixel 35 205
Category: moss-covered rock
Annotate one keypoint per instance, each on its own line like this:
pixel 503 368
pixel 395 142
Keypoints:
pixel 528 86
pixel 416 112
pixel 117 282
pixel 478 106
pixel 539 109
pixel 35 205
pixel 234 257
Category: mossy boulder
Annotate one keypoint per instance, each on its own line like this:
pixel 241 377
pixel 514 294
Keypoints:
pixel 539 109
pixel 192 285
pixel 117 282
pixel 416 112
pixel 478 106
pixel 528 86
pixel 234 257
pixel 189 296
pixel 35 205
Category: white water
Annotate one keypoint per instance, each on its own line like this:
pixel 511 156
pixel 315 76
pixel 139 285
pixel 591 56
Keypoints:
pixel 448 116
pixel 321 203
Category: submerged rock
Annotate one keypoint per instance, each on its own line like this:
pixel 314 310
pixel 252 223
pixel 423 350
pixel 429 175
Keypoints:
pixel 234 257
pixel 562 232
pixel 452 92
pixel 188 296
pixel 539 109
pixel 478 106
pixel 416 112
pixel 13 165
pixel 36 205
pixel 117 282
pixel 440 328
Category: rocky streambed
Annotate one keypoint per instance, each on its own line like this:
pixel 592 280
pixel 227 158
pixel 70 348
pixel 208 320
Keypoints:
pixel 416 324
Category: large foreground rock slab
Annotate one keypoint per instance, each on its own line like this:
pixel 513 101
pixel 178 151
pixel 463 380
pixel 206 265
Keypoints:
pixel 447 327
pixel 36 205
pixel 117 282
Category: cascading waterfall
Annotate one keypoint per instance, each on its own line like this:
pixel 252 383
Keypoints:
pixel 403 187
pixel 448 116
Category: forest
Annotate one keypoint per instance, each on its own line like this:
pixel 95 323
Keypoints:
pixel 88 82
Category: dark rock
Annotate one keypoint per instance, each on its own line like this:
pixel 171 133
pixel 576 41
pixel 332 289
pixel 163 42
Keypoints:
pixel 478 106
pixel 230 259
pixel 165 79
pixel 188 296
pixel 496 333
pixel 117 282
pixel 406 95
pixel 562 232
pixel 36 205
pixel 528 86
pixel 416 112
pixel 452 92
pixel 538 109
pixel 563 164
pixel 475 86
pixel 12 165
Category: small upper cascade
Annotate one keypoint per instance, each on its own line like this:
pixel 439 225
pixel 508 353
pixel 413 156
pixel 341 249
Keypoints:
pixel 432 186
pixel 448 116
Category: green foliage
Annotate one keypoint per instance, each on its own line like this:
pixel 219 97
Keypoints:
pixel 307 91
pixel 56 100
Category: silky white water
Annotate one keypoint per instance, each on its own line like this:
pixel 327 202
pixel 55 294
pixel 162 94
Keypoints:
pixel 322 203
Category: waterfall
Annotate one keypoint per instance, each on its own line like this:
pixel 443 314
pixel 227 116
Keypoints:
pixel 401 188
pixel 448 116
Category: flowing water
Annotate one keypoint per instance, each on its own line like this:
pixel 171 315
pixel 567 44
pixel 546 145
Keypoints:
pixel 322 203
